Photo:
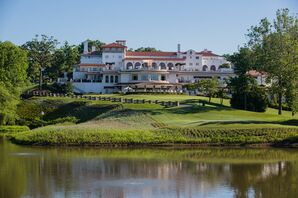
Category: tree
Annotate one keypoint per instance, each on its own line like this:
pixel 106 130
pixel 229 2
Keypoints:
pixel 292 97
pixel 241 84
pixel 247 95
pixel 225 65
pixel 191 86
pixel 98 45
pixel 63 60
pixel 275 47
pixel 40 56
pixel 209 86
pixel 146 49
pixel 13 75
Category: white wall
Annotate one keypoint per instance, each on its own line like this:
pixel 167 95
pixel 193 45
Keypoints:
pixel 91 59
pixel 117 58
pixel 125 78
pixel 78 75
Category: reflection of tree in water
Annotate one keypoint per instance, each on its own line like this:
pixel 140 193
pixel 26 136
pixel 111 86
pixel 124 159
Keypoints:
pixel 119 173
pixel 265 180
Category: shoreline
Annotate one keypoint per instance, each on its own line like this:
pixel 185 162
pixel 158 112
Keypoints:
pixel 160 146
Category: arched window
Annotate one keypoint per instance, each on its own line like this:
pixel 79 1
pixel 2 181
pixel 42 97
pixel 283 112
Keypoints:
pixel 170 66
pixel 213 68
pixel 205 68
pixel 154 65
pixel 145 65
pixel 137 65
pixel 162 65
pixel 129 65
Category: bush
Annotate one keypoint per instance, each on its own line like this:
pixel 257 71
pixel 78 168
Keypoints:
pixel 63 120
pixel 59 88
pixel 6 129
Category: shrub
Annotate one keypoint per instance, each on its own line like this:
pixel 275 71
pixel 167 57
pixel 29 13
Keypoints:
pixel 6 129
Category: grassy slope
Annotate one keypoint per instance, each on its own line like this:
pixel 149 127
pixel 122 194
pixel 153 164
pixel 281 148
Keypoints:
pixel 107 122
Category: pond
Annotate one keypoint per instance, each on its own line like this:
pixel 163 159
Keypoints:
pixel 103 172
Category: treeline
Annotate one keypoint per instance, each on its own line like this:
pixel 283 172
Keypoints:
pixel 43 59
pixel 271 50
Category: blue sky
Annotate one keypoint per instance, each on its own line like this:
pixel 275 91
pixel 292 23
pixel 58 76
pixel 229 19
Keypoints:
pixel 218 25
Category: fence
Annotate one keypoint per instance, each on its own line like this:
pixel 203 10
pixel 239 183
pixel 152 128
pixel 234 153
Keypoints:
pixel 112 99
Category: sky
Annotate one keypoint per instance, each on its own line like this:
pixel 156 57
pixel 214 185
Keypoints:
pixel 217 25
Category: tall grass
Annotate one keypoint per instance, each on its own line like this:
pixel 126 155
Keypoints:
pixel 77 135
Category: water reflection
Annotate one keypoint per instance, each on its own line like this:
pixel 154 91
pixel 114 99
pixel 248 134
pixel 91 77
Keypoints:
pixel 94 172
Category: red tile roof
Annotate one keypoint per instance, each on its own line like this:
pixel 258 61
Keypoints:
pixel 92 65
pixel 130 53
pixel 255 73
pixel 114 45
pixel 156 59
pixel 207 53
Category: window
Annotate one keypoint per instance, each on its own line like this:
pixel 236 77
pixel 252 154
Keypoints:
pixel 170 66
pixel 163 77
pixel 107 56
pixel 129 65
pixel 154 65
pixel 190 64
pixel 205 68
pixel 197 63
pixel 197 57
pixel 144 77
pixel 162 65
pixel 213 68
pixel 111 79
pixel 154 77
pixel 135 77
pixel 107 79
pixel 116 79
pixel 137 65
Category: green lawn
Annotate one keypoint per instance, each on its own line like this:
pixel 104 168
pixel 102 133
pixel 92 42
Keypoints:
pixel 146 122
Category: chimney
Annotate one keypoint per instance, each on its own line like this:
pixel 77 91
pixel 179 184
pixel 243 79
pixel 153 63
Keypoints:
pixel 93 49
pixel 178 48
pixel 121 42
pixel 85 43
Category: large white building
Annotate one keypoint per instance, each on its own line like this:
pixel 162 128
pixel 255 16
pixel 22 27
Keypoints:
pixel 117 69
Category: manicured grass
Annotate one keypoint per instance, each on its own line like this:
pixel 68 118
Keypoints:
pixel 104 122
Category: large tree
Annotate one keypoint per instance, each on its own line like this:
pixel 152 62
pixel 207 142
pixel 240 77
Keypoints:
pixel 241 84
pixel 40 55
pixel 209 86
pixel 13 75
pixel 96 43
pixel 275 47
pixel 63 60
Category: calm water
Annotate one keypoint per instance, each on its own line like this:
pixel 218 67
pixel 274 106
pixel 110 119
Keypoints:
pixel 94 172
